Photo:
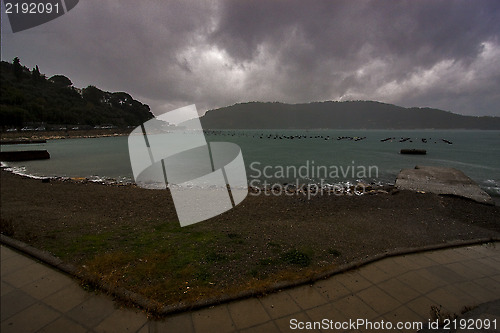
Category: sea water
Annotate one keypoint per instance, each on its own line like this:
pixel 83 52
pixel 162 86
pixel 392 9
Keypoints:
pixel 286 156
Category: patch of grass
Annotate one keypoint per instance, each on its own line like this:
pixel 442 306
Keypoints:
pixel 254 272
pixel 334 252
pixel 236 238
pixel 438 314
pixel 6 227
pixel 213 257
pixel 266 262
pixel 296 257
pixel 203 276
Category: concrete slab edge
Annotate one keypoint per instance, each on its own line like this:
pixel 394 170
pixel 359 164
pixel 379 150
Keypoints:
pixel 155 309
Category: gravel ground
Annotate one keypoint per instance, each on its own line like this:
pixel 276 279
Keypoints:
pixel 330 229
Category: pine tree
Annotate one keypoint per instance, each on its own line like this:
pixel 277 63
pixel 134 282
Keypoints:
pixel 18 69
pixel 35 74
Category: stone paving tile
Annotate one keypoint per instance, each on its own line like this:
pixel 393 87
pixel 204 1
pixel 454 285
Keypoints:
pixel 5 288
pixel 47 285
pixel 6 253
pixel 450 302
pixel 464 298
pixel 444 257
pixel 63 325
pixel 374 274
pixel 435 280
pixel 14 302
pixel 68 297
pixel 177 323
pixel 331 289
pixel 353 307
pixel 91 312
pixel 416 281
pixel 353 281
pixel 399 290
pixel 460 268
pixel 468 252
pixel 12 264
pixel 420 261
pixel 269 327
pixel 378 300
pixel 306 296
pixel 421 306
pixel 247 312
pixel 477 268
pixel 446 274
pixel 474 290
pixel 488 264
pixel 484 250
pixel 284 323
pixel 407 263
pixel 215 319
pixel 279 304
pixel 391 266
pixel 328 311
pixel 490 284
pixel 30 319
pixel 25 275
pixel 404 314
pixel 122 321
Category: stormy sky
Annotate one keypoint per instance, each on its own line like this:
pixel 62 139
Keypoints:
pixel 168 54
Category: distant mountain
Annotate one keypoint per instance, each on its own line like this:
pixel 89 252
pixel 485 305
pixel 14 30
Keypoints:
pixel 29 98
pixel 339 115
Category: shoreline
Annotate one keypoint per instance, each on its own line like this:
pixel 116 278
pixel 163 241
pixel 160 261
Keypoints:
pixel 346 188
pixel 61 135
pixel 311 189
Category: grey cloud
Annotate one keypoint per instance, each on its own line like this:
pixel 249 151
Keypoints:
pixel 174 53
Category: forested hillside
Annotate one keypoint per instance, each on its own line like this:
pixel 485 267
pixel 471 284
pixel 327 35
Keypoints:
pixel 29 98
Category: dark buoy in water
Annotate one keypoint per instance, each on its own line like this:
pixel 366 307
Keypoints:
pixel 413 151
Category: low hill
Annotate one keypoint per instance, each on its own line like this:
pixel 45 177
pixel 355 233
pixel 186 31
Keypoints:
pixel 28 97
pixel 339 115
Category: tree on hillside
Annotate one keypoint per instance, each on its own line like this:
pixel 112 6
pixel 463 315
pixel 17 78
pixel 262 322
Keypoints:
pixel 18 69
pixel 61 80
pixel 93 95
pixel 35 74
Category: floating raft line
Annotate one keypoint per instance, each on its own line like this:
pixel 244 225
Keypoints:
pixel 413 151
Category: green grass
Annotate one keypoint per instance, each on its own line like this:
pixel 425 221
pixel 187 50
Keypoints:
pixel 296 257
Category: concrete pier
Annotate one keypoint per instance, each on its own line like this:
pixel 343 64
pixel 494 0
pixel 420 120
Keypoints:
pixel 441 180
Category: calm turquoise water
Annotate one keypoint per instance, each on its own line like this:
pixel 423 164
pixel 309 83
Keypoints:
pixel 476 153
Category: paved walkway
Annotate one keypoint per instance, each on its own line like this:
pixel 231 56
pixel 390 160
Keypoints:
pixel 36 298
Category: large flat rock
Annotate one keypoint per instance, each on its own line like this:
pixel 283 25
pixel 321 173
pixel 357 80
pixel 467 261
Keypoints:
pixel 441 180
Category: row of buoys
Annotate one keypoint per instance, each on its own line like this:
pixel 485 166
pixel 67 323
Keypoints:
pixel 424 140
pixel 303 136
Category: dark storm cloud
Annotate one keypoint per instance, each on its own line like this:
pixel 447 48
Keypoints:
pixel 442 54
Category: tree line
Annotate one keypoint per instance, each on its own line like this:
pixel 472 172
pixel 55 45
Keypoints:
pixel 29 97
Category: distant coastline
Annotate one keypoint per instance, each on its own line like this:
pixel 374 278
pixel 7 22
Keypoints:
pixel 70 134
